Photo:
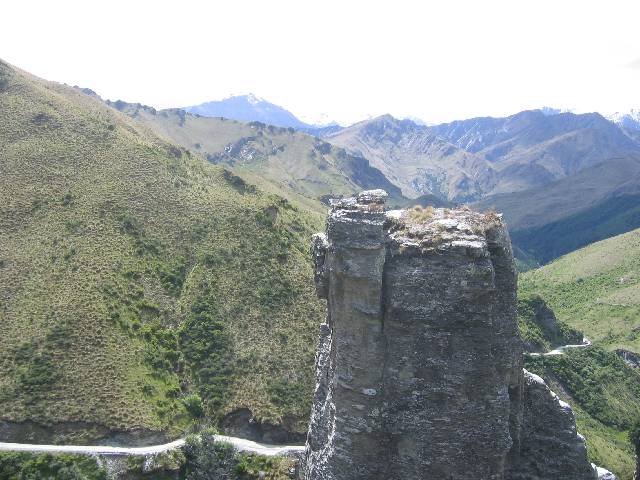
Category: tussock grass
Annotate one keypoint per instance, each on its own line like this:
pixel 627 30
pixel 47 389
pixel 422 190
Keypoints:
pixel 418 214
pixel 113 245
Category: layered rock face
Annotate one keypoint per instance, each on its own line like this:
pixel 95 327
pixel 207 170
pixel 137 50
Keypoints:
pixel 550 445
pixel 419 366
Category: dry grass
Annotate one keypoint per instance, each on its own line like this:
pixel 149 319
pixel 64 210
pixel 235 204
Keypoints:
pixel 419 214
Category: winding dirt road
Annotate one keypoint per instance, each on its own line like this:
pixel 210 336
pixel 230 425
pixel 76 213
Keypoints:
pixel 561 350
pixel 240 444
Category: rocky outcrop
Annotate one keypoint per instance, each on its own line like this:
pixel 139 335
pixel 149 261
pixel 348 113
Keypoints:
pixel 419 365
pixel 242 423
pixel 630 358
pixel 549 443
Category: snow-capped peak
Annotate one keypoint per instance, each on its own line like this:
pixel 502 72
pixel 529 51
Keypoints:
pixel 254 99
pixel 630 119
pixel 548 111
pixel 318 120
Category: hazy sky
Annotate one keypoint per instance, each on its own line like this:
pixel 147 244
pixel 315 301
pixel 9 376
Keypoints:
pixel 346 59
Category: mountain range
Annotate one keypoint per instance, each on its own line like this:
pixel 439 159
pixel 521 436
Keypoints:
pixel 471 159
pixel 562 180
pixel 279 159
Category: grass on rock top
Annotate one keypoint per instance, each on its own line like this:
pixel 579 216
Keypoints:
pixel 134 275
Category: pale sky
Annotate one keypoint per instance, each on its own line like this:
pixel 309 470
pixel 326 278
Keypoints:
pixel 346 59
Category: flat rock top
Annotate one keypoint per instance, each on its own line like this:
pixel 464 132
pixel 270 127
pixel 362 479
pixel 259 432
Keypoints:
pixel 441 229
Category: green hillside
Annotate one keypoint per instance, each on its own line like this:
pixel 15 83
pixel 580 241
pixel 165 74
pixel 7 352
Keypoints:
pixel 140 286
pixel 595 289
pixel 540 330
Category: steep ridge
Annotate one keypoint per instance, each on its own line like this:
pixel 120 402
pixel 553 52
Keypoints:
pixel 141 288
pixel 288 160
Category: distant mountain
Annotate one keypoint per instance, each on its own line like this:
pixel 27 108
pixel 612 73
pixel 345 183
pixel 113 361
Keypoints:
pixel 470 159
pixel 251 108
pixel 416 160
pixel 531 149
pixel 629 122
pixel 553 111
pixel 248 108
pixel 278 159
pixel 557 218
pixel 322 131
pixel 563 180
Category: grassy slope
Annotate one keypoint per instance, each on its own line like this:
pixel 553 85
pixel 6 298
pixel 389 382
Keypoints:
pixel 292 162
pixel 538 335
pixel 596 289
pixel 134 274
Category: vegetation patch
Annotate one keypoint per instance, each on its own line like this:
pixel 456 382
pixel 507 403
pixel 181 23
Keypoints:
pixel 15 466
pixel 539 329
pixel 595 289
pixel 210 460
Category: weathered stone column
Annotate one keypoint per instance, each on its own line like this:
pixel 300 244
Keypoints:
pixel 347 434
pixel 419 364
pixel 551 446
pixel 420 360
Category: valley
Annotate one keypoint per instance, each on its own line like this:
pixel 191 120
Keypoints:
pixel 155 278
